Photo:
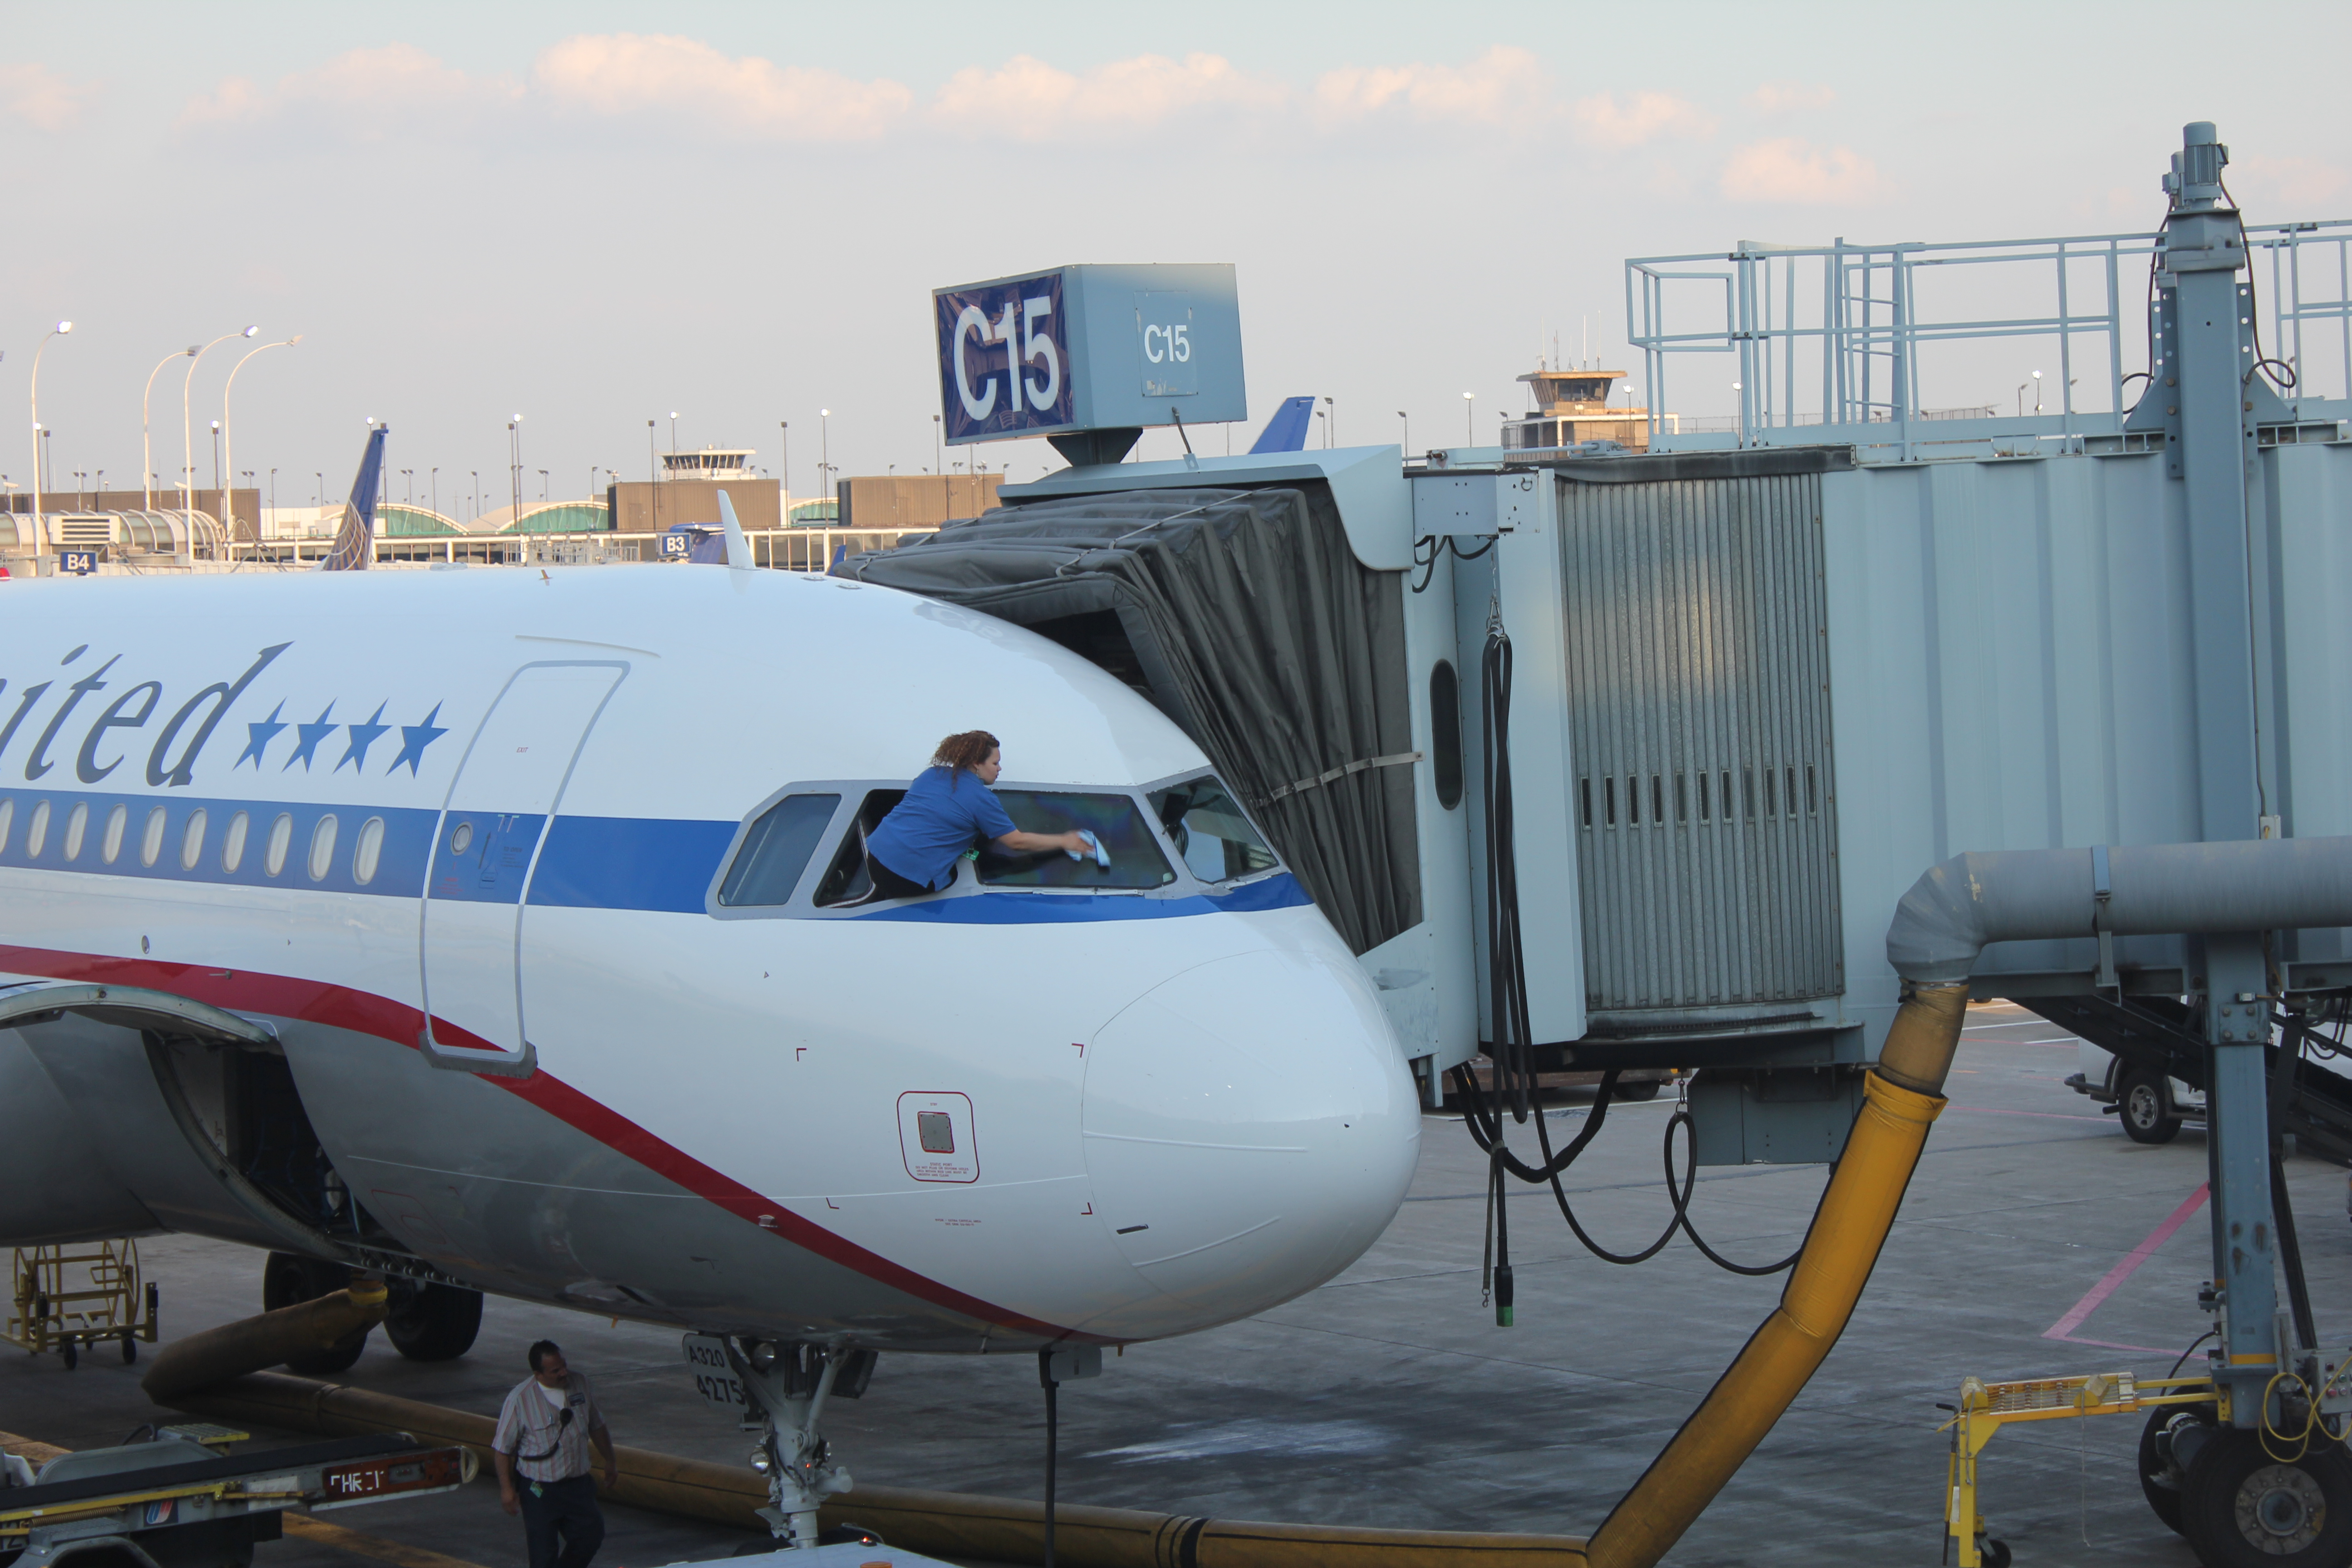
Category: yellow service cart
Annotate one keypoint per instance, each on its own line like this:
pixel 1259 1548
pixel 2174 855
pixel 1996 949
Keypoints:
pixel 1986 1407
pixel 67 1297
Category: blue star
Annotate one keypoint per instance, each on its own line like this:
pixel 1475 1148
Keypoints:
pixel 263 733
pixel 363 737
pixel 414 738
pixel 307 739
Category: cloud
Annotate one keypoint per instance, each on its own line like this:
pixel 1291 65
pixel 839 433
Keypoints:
pixel 367 92
pixel 1507 85
pixel 2303 182
pixel 624 73
pixel 41 97
pixel 1029 101
pixel 1787 97
pixel 1643 116
pixel 1788 170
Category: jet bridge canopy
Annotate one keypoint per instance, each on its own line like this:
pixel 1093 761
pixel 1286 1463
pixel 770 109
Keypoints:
pixel 1244 616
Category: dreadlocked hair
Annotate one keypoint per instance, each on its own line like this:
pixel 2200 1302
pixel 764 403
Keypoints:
pixel 962 753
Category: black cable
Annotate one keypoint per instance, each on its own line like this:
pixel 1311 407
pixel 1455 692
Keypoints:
pixel 1485 1122
pixel 1053 1437
pixel 2254 314
pixel 1431 547
pixel 2190 1351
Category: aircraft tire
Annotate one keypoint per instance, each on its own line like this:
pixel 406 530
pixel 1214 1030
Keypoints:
pixel 289 1280
pixel 432 1323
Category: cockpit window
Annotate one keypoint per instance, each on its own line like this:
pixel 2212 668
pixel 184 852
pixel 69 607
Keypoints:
pixel 1135 858
pixel 1209 833
pixel 776 851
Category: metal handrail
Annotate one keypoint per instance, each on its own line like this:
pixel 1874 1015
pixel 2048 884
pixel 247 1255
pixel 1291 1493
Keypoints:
pixel 1858 311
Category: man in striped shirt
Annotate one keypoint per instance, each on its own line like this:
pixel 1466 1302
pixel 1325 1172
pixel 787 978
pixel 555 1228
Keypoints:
pixel 541 1448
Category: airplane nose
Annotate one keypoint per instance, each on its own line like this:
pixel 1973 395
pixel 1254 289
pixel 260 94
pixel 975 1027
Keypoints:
pixel 1250 1129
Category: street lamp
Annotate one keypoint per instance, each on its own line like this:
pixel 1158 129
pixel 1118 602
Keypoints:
pixel 785 464
pixel 217 455
pixel 542 484
pixel 146 450
pixel 514 464
pixel 2037 392
pixel 229 428
pixel 673 429
pixel 1331 426
pixel 825 457
pixel 60 330
pixel 1469 430
pixel 938 458
pixel 319 491
pixel 187 425
pixel 1406 425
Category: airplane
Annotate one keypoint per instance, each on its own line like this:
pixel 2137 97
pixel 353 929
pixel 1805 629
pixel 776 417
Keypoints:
pixel 509 931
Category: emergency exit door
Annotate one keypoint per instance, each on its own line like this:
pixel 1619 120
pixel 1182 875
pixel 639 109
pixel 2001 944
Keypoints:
pixel 506 790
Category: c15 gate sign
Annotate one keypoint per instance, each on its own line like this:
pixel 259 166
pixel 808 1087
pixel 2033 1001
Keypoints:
pixel 1092 347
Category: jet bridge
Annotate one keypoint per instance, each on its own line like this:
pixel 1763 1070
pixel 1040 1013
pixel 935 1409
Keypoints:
pixel 1733 692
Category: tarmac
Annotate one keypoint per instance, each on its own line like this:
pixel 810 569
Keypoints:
pixel 2032 1242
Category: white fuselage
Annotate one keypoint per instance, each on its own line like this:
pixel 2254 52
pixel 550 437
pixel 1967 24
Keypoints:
pixel 549 1061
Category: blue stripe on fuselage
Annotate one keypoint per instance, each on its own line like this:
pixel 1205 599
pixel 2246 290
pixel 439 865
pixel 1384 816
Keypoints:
pixel 661 865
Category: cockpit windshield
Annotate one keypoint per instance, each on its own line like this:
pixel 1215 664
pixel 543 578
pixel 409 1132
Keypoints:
pixel 1215 840
pixel 1137 860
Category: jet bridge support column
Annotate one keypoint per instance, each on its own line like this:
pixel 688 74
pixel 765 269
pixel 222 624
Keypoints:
pixel 2204 381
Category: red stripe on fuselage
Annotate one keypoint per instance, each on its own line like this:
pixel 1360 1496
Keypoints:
pixel 341 1007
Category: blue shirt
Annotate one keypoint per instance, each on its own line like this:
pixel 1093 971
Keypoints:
pixel 945 811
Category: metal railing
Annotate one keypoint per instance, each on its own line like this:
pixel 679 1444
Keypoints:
pixel 807 549
pixel 1839 334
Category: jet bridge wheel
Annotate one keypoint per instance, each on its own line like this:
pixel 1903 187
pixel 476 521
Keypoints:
pixel 288 1280
pixel 2161 1472
pixel 431 1322
pixel 2242 1508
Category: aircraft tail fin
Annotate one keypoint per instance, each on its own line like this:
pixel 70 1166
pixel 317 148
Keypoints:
pixel 1286 431
pixel 355 540
pixel 739 549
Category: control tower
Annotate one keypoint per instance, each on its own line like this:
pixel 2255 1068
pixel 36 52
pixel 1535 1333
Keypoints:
pixel 1572 405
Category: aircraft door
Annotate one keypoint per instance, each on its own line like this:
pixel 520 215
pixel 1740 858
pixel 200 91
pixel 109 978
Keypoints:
pixel 506 789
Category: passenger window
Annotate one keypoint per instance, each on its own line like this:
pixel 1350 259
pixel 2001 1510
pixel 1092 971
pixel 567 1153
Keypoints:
pixel 846 880
pixel 776 851
pixel 1216 841
pixel 1136 860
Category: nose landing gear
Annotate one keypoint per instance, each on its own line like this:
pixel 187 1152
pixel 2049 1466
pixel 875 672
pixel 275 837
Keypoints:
pixel 786 1388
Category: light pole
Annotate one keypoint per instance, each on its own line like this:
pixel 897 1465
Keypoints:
pixel 1331 426
pixel 1405 444
pixel 433 480
pixel 229 428
pixel 1469 409
pixel 542 484
pixel 2020 398
pixel 785 464
pixel 478 490
pixel 653 476
pixel 673 430
pixel 187 425
pixel 408 479
pixel 2037 392
pixel 938 457
pixel 60 330
pixel 319 491
pixel 514 465
pixel 217 455
pixel 825 459
pixel 146 447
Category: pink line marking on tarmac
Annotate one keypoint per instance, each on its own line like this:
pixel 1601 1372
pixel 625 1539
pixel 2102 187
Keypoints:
pixel 2064 1329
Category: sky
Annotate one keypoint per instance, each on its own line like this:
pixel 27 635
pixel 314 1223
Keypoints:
pixel 596 214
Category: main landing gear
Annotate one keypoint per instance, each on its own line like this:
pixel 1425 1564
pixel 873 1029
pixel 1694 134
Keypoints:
pixel 424 1321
